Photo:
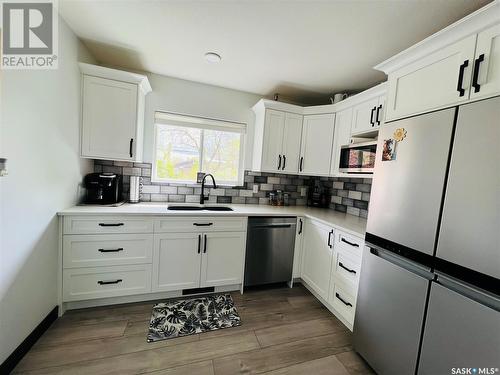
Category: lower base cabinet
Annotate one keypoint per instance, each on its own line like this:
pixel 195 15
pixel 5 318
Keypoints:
pixel 317 257
pixel 331 263
pixel 194 260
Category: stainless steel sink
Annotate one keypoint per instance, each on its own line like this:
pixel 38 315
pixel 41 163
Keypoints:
pixel 199 208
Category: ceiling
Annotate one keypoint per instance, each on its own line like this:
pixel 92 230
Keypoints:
pixel 304 50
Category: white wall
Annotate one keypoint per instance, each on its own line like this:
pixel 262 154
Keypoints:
pixel 39 136
pixel 198 99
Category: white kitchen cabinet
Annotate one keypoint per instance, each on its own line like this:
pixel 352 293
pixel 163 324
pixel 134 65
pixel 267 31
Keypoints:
pixel 292 136
pixel 299 239
pixel 112 113
pixel 277 138
pixel 342 135
pixel 317 257
pixel 486 72
pixel 274 127
pixel 317 143
pixel 364 116
pixel 223 258
pixel 194 260
pixel 176 261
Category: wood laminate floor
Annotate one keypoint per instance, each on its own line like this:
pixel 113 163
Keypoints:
pixel 283 331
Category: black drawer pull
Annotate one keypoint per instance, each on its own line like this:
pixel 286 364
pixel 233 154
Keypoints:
pixel 199 243
pixel 301 163
pixel 475 75
pixel 349 243
pixel 205 244
pixel 111 250
pixel 284 162
pixel 203 224
pixel 347 269
pixel 343 301
pixel 279 162
pixel 111 224
pixel 100 282
pixel 131 147
pixel 300 227
pixel 377 117
pixel 372 123
pixel 460 82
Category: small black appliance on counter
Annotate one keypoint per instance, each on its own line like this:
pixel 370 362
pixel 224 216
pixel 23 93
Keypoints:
pixel 318 195
pixel 103 188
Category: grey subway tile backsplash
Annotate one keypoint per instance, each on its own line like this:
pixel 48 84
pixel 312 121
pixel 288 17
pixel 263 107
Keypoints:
pixel 349 195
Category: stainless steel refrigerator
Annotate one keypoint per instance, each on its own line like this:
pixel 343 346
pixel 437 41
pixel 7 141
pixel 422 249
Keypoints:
pixel 429 293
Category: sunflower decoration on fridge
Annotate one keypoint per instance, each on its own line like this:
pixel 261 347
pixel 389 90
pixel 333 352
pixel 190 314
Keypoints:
pixel 389 145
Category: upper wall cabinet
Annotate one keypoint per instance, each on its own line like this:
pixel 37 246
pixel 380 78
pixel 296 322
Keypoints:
pixel 277 138
pixel 112 113
pixel 455 65
pixel 317 143
pixel 341 137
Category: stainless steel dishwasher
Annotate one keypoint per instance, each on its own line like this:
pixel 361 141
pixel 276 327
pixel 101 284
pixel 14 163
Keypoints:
pixel 270 247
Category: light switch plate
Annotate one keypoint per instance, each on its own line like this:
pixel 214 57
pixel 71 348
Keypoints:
pixel 303 191
pixel 256 188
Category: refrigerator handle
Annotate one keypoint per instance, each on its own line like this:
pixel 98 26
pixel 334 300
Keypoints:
pixel 408 265
pixel 468 291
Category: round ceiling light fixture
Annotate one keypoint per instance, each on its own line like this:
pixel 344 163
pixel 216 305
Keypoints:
pixel 213 57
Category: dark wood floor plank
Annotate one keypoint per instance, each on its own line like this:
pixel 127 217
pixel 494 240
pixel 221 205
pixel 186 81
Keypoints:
pixel 298 331
pixel 199 368
pixel 58 335
pixel 354 364
pixel 93 349
pixel 279 356
pixel 323 366
pixel 160 358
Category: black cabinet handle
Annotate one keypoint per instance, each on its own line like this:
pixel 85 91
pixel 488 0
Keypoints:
pixel 279 162
pixel 343 301
pixel 199 243
pixel 130 147
pixel 349 243
pixel 460 82
pixel 100 282
pixel 377 117
pixel 205 244
pixel 111 250
pixel 300 227
pixel 347 269
pixel 475 75
pixel 111 224
pixel 284 162
pixel 329 238
pixel 371 116
pixel 301 163
pixel 203 224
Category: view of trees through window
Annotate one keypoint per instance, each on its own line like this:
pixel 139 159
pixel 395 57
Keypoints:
pixel 181 152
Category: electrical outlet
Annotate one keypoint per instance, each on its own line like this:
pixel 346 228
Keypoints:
pixel 303 191
pixel 199 177
pixel 256 188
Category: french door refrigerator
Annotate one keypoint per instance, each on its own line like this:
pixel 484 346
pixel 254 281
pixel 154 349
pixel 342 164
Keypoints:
pixel 428 299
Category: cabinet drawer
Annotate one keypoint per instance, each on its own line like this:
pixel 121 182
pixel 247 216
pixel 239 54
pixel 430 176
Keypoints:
pixel 107 224
pixel 346 268
pixel 200 224
pixel 106 249
pixel 344 301
pixel 101 282
pixel 351 244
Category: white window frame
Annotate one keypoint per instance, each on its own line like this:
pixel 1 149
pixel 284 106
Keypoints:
pixel 202 123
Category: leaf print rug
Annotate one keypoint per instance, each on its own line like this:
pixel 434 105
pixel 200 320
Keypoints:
pixel 185 317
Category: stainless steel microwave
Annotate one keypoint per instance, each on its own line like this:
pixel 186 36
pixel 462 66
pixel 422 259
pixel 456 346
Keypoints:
pixel 358 157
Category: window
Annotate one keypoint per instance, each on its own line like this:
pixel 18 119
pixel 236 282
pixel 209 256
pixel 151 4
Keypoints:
pixel 186 145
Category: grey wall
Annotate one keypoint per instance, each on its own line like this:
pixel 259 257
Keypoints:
pixel 40 135
pixel 197 99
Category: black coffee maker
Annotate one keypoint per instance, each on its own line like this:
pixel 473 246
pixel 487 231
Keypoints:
pixel 103 188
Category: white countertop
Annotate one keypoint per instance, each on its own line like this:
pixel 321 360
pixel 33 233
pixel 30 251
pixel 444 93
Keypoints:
pixel 349 223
